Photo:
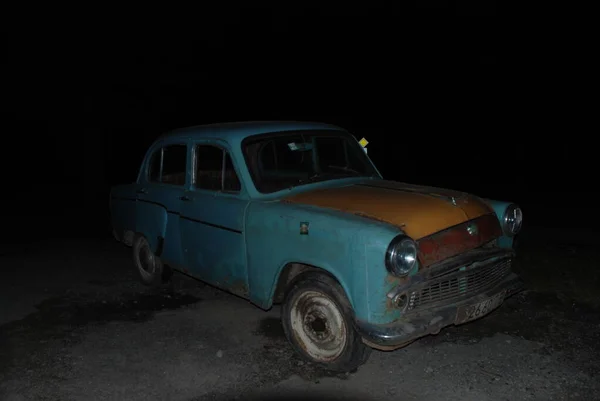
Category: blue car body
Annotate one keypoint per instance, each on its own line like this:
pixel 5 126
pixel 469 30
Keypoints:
pixel 253 243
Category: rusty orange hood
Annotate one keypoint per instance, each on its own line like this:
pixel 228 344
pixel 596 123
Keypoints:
pixel 418 210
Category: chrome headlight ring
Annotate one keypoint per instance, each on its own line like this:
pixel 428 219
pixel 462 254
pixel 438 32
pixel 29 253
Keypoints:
pixel 512 220
pixel 401 255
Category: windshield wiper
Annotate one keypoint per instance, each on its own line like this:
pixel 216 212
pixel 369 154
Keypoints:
pixel 312 178
pixel 351 170
pixel 318 176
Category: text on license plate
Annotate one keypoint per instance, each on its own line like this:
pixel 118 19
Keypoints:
pixel 472 312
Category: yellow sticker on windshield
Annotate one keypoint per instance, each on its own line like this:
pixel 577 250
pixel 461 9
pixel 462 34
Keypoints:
pixel 363 142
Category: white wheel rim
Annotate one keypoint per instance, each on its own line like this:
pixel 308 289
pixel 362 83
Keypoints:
pixel 145 260
pixel 318 325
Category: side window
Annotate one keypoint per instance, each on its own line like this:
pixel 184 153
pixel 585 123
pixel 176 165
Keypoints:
pixel 154 167
pixel 214 170
pixel 174 164
pixel 171 169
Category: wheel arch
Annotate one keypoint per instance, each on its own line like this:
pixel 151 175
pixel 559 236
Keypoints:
pixel 292 271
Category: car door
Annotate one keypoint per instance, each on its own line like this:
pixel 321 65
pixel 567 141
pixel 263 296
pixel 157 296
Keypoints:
pixel 212 219
pixel 159 193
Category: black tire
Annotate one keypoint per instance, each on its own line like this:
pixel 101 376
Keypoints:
pixel 315 307
pixel 151 271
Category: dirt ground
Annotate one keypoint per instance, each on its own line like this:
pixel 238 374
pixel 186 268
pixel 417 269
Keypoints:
pixel 76 325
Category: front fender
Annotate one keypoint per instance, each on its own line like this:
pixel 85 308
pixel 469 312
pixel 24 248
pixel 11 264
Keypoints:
pixel 320 264
pixel 349 247
pixel 274 239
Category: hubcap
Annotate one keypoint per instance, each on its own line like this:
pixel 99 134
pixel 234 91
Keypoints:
pixel 318 325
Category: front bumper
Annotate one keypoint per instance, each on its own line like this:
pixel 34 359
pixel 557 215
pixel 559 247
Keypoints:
pixel 409 328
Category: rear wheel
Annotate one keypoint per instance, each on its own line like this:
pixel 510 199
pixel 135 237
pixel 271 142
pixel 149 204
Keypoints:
pixel 317 320
pixel 151 271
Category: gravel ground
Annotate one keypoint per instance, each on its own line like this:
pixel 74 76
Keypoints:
pixel 76 325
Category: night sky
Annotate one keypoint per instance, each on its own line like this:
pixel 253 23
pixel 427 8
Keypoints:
pixel 431 86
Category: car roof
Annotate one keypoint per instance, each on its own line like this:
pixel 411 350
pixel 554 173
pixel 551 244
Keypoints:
pixel 237 131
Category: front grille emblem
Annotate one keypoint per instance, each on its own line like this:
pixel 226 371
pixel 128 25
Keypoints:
pixel 472 229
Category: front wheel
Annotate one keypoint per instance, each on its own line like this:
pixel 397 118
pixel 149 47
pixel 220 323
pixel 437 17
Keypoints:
pixel 317 320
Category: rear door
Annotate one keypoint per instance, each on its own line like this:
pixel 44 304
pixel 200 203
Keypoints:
pixel 159 195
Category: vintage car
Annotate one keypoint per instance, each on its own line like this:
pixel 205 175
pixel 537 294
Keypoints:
pixel 296 213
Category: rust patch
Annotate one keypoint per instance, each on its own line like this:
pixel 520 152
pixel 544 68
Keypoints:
pixel 391 279
pixel 389 306
pixel 421 213
pixel 239 288
pixel 236 287
pixel 458 239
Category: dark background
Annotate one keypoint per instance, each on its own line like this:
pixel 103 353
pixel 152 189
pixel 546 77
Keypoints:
pixel 430 84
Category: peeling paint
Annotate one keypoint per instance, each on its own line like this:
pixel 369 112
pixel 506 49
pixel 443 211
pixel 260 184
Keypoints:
pixel 457 239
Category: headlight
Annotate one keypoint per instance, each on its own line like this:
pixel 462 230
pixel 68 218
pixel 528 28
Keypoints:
pixel 401 255
pixel 512 220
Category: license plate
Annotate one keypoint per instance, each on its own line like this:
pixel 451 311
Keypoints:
pixel 472 312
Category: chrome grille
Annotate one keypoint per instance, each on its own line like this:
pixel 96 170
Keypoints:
pixel 461 284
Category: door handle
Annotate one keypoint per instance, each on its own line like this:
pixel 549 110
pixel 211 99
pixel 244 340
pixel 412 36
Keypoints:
pixel 142 191
pixel 185 198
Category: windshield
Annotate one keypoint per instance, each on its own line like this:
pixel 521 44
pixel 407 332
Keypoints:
pixel 286 160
